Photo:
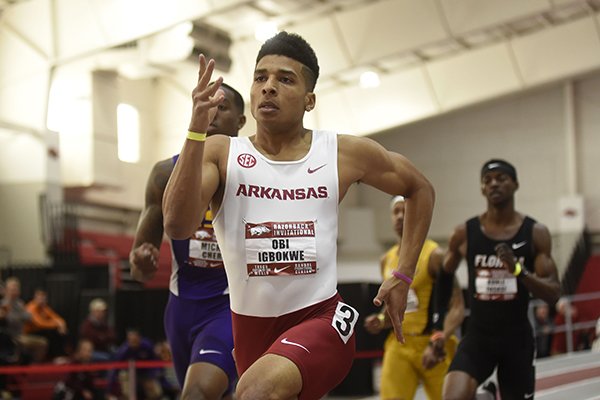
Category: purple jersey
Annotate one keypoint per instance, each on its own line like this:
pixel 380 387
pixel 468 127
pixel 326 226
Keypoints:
pixel 197 266
pixel 197 318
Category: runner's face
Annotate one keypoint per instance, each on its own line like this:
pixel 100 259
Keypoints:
pixel 279 93
pixel 227 120
pixel 398 217
pixel 498 187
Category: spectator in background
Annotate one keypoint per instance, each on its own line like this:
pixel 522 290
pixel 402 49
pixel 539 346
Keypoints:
pixel 543 330
pixel 96 329
pixel 149 381
pixel 45 322
pixel 9 353
pixel 80 385
pixel 6 339
pixel 163 351
pixel 32 348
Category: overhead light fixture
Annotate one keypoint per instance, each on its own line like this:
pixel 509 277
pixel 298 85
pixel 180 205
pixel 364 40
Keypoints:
pixel 265 30
pixel 369 80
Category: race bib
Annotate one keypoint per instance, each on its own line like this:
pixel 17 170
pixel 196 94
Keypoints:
pixel 280 248
pixel 344 320
pixel 204 251
pixel 495 285
pixel 412 301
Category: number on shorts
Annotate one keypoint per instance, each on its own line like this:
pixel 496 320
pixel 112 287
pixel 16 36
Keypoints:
pixel 344 320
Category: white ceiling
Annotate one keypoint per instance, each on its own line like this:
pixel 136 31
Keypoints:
pixel 432 55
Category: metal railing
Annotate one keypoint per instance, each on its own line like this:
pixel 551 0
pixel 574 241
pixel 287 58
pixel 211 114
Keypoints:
pixel 59 370
pixel 570 326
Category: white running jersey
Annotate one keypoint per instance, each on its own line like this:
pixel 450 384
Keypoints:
pixel 277 227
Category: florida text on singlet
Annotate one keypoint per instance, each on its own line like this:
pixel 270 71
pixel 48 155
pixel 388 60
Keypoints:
pixel 277 227
pixel 197 270
pixel 498 299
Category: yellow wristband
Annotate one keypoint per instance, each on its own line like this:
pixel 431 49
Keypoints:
pixel 198 137
pixel 518 269
pixel 381 318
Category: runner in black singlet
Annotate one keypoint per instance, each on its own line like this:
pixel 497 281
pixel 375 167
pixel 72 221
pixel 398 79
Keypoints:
pixel 509 258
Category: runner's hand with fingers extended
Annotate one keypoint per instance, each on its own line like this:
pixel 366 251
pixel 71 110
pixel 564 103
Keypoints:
pixel 394 293
pixel 205 97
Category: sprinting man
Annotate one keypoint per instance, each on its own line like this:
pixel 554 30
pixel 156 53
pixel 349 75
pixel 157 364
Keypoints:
pixel 197 317
pixel 407 365
pixel 275 196
pixel 509 259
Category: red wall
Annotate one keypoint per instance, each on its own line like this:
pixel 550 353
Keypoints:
pixel 590 282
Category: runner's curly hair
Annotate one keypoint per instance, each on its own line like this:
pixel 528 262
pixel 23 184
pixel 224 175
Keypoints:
pixel 295 47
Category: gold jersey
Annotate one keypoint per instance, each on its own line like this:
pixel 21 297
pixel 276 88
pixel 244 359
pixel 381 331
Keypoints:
pixel 419 295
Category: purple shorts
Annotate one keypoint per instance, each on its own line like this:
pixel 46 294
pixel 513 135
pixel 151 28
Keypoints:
pixel 200 331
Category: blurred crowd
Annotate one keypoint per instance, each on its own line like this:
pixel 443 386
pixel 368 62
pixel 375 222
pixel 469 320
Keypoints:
pixel 33 333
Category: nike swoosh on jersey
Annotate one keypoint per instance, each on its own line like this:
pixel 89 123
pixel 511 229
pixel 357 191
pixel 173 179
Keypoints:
pixel 285 341
pixel 278 270
pixel 516 246
pixel 215 264
pixel 202 352
pixel 313 170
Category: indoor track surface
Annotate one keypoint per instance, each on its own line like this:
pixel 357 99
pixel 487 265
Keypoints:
pixel 574 376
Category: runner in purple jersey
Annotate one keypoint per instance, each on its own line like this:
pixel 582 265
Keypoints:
pixel 197 318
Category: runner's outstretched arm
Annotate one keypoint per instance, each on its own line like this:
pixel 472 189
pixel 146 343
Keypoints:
pixel 364 160
pixel 195 178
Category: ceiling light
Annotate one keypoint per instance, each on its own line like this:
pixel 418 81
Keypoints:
pixel 369 79
pixel 265 30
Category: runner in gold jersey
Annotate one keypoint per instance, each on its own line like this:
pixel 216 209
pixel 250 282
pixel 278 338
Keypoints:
pixel 407 365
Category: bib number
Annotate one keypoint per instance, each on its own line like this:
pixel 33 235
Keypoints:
pixel 344 320
pixel 496 285
pixel 280 248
